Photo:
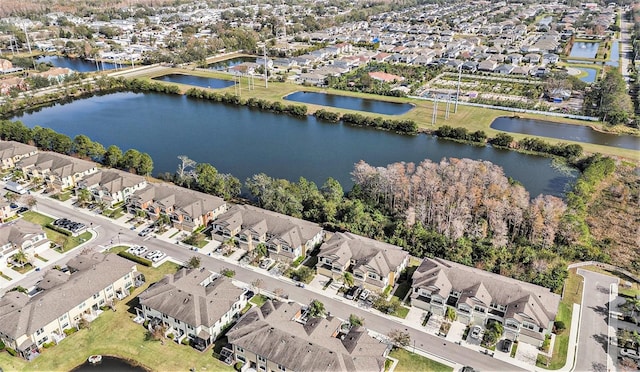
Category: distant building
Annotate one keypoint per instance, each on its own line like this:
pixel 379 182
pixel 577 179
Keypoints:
pixel 385 78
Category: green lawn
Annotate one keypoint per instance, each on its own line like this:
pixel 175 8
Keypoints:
pixel 258 300
pixel 402 312
pixel 23 269
pixel 410 362
pixel 561 345
pixel 37 218
pixel 114 333
pixel 66 242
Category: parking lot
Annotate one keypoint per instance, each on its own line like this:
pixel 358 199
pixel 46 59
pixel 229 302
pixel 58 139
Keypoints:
pixel 74 227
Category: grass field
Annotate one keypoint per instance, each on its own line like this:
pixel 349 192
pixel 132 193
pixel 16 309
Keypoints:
pixel 410 362
pixel 471 118
pixel 114 333
pixel 66 242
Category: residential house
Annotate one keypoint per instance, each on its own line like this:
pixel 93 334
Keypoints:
pixel 261 61
pixel 313 78
pixel 94 280
pixel 11 152
pixel 286 238
pixel 111 186
pixel 527 311
pixel 284 63
pixel 278 337
pixel 12 83
pixel 59 172
pixel 504 69
pixel 193 303
pixel 374 265
pixel 381 57
pixel 487 65
pixel 20 235
pixel 55 74
pixel 6 212
pixel 385 77
pixel 186 209
pixel 5 65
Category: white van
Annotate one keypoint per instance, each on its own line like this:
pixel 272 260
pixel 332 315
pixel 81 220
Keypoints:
pixel 15 187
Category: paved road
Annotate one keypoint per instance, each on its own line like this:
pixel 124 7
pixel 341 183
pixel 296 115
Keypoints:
pixel 108 231
pixel 593 338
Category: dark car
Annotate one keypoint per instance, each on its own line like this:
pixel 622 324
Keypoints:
pixel 506 346
pixel 23 209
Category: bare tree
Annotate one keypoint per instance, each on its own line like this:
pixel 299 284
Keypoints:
pixel 258 284
pixel 399 338
pixel 185 163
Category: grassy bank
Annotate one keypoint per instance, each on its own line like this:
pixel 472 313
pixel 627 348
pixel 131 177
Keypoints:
pixel 410 362
pixel 471 118
pixel 114 333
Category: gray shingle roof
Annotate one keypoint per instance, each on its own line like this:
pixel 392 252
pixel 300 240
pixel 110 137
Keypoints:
pixel 58 164
pixel 182 297
pixel 20 315
pixel 271 332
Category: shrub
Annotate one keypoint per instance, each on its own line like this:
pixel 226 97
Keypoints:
pixel 559 326
pixel 2 346
pixel 238 366
pixel 185 341
pixel 60 230
pixel 12 352
pixel 47 345
pixel 228 273
pixel 170 336
pixel 70 331
pixel 298 261
pixel 134 258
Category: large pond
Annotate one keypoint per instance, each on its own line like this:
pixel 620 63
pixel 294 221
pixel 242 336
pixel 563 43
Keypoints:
pixel 108 364
pixel 244 142
pixel 350 103
pixel 584 49
pixel 198 81
pixel 223 65
pixel 570 132
pixel 76 64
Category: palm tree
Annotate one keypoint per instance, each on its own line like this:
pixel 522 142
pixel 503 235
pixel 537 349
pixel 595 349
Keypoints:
pixel 347 278
pixel 84 197
pixel 21 258
pixel 11 197
pixel 316 309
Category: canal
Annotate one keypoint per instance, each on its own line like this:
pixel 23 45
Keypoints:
pixel 198 81
pixel 76 64
pixel 568 132
pixel 350 103
pixel 243 141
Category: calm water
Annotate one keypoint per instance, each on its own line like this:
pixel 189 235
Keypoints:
pixel 196 81
pixel 244 142
pixel 76 64
pixel 565 131
pixel 108 364
pixel 591 74
pixel 223 65
pixel 584 49
pixel 350 103
pixel 614 54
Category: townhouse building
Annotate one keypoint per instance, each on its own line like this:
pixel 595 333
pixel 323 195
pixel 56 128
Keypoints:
pixel 111 186
pixel 527 311
pixel 57 171
pixel 21 235
pixel 374 265
pixel 187 209
pixel 11 152
pixel 278 337
pixel 193 303
pixel 286 238
pixel 63 299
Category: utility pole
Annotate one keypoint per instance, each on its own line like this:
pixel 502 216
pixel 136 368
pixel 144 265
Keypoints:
pixel 435 110
pixel 266 75
pixel 455 110
pixel 446 112
pixel 24 27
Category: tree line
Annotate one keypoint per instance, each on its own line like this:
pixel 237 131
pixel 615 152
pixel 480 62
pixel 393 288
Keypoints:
pixel 276 106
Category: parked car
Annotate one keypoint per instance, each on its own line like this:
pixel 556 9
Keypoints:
pixel 506 346
pixel 266 263
pixel 22 209
pixel 630 353
pixel 151 254
pixel 158 257
pixel 364 294
pixel 353 292
pixel 146 231
pixel 476 331
pixel 300 284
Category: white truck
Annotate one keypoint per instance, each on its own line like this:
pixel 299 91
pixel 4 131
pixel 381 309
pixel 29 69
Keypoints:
pixel 15 187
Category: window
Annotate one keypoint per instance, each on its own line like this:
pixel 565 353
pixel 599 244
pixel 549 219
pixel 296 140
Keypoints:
pixel 372 275
pixel 262 359
pixel 241 358
pixel 478 309
pixel 281 368
pixel 96 295
pixel 238 348
pixel 39 332
pixel 65 325
pixel 263 368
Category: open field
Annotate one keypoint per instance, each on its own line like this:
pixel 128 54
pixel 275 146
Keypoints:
pixel 472 118
pixel 408 361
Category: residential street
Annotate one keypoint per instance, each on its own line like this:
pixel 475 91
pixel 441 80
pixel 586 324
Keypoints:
pixel 109 231
pixel 593 338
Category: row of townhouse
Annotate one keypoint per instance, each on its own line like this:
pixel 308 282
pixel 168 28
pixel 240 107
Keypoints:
pixel 63 299
pixel 286 238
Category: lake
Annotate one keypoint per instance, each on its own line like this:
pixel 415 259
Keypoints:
pixel 614 54
pixel 244 141
pixel 108 364
pixel 76 64
pixel 223 65
pixel 570 132
pixel 198 81
pixel 584 49
pixel 350 103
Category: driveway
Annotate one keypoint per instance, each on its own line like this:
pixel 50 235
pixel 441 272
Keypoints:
pixel 593 338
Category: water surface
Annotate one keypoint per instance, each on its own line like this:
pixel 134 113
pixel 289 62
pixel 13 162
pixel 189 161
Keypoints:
pixel 584 49
pixel 244 142
pixel 198 81
pixel 108 364
pixel 350 103
pixel 591 74
pixel 570 132
pixel 223 65
pixel 76 64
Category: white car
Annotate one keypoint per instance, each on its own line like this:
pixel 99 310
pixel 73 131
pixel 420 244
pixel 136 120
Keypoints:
pixel 476 331
pixel 266 263
pixel 364 294
pixel 141 250
pixel 158 257
pixel 152 254
pixel 630 353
